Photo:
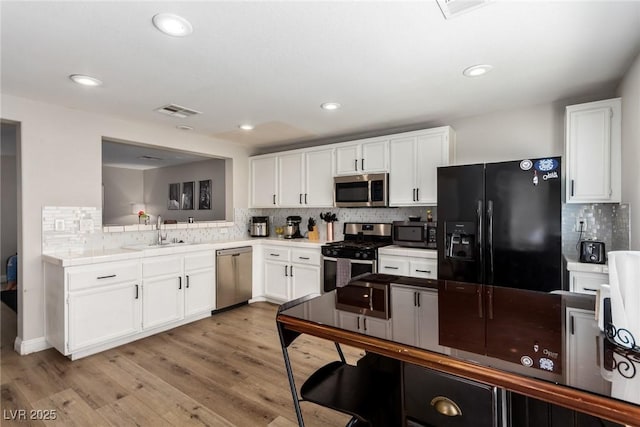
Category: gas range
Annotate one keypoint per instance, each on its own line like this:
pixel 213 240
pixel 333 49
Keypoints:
pixel 361 241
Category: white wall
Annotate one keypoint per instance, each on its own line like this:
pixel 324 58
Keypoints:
pixel 122 187
pixel 629 90
pixel 528 132
pixel 60 164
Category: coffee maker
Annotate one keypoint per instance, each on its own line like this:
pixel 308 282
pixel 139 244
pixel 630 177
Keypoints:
pixel 292 229
pixel 259 226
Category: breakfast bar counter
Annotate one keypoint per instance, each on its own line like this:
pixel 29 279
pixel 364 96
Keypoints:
pixel 592 376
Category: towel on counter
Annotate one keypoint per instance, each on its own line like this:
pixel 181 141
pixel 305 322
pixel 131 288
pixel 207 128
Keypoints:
pixel 343 272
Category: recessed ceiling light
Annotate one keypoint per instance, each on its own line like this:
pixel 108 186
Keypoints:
pixel 85 80
pixel 477 70
pixel 330 106
pixel 184 127
pixel 246 126
pixel 172 25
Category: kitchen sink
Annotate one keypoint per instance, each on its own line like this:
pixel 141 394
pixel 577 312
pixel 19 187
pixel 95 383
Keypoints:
pixel 144 246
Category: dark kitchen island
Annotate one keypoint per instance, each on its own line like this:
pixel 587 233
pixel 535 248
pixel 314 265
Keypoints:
pixel 591 382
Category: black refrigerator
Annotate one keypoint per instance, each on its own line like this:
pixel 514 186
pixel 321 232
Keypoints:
pixel 499 257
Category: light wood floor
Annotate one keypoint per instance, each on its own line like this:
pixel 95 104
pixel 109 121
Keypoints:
pixel 226 370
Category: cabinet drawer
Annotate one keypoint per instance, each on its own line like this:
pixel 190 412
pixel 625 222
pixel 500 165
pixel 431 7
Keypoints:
pixel 393 265
pixel 199 260
pixel 426 269
pixel 107 273
pixel 276 254
pixel 586 282
pixel 162 266
pixel 423 389
pixel 302 256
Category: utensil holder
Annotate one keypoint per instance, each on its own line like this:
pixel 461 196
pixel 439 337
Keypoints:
pixel 329 232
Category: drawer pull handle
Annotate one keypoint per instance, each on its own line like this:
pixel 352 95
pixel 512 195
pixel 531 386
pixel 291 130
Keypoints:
pixel 390 268
pixel 591 289
pixel 446 406
pixel 424 271
pixel 137 293
pixel 303 257
pixel 111 276
pixel 274 254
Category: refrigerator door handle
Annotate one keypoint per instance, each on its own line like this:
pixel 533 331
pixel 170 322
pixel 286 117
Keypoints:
pixel 490 239
pixel 480 308
pixel 490 303
pixel 480 241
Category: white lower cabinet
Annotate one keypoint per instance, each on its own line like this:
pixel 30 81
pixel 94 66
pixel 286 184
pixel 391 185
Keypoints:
pixel 406 265
pixel 94 307
pixel 101 314
pixel 162 295
pixel 585 282
pixel 415 314
pixel 582 351
pixel 291 273
pixel 367 325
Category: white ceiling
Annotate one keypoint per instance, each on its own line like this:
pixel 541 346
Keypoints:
pixel 390 64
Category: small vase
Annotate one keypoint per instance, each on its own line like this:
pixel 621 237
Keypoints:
pixel 329 232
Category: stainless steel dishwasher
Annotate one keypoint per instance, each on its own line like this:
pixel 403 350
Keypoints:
pixel 233 276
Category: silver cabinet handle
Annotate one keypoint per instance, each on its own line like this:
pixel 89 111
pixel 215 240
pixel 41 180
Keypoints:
pixel 418 298
pixel 291 270
pixel 362 164
pixel 572 187
pixel 187 282
pixel 274 254
pixel 137 292
pixel 286 274
pixel 423 271
pixel 274 199
pixel 305 198
pixel 390 268
pixel 180 282
pixel 300 198
pixel 111 276
pixel 356 163
pixel 417 194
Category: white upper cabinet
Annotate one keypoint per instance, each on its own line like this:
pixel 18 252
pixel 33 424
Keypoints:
pixel 413 161
pixel 318 170
pixel 593 152
pixel 263 182
pixel 364 156
pixel 290 184
pixel 299 178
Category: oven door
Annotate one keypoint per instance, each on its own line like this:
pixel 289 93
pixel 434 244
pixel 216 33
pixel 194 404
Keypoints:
pixel 330 270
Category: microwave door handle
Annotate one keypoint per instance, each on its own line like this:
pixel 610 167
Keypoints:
pixel 369 191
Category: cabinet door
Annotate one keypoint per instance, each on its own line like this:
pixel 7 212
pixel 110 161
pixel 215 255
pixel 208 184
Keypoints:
pixel 585 282
pixel 582 351
pixel 263 182
pixel 390 264
pixel 379 328
pixel 403 301
pixel 276 284
pixel 290 185
pixel 162 301
pixel 319 178
pixel 349 321
pixel 374 156
pixel 432 150
pixel 305 279
pixel 348 159
pixel 428 321
pixel 101 314
pixel 592 145
pixel 199 291
pixel 402 183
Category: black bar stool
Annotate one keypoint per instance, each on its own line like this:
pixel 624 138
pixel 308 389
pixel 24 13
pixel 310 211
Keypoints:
pixel 362 391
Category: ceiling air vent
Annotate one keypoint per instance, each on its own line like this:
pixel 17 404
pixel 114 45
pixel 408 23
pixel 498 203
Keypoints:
pixel 452 8
pixel 177 111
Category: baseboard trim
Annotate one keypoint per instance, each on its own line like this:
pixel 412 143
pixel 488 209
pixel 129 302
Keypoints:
pixel 24 347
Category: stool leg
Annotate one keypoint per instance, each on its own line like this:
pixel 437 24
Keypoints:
pixel 292 385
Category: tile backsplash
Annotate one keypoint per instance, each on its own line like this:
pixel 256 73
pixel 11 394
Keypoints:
pixel 77 229
pixel 604 222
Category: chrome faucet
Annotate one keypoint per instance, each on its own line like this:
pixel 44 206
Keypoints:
pixel 159 228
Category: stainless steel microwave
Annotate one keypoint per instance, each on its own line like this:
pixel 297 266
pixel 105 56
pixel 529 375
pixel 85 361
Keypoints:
pixel 366 190
pixel 414 234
